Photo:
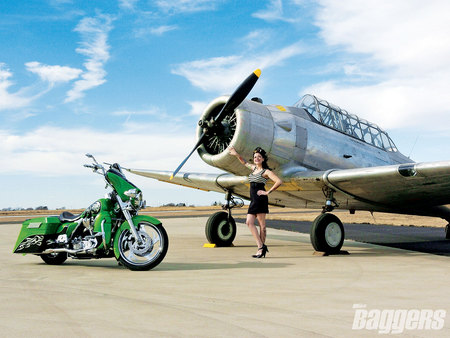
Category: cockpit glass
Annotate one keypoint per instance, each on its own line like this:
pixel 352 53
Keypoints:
pixel 334 117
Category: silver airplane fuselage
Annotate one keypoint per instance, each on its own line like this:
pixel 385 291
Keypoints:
pixel 293 138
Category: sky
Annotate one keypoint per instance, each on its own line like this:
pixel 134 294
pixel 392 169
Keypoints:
pixel 127 81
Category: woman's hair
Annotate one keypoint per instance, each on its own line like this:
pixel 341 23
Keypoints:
pixel 261 151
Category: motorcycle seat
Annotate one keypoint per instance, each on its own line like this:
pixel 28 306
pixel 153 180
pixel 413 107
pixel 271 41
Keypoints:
pixel 69 217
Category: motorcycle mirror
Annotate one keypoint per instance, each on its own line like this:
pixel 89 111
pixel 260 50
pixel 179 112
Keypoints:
pixel 89 155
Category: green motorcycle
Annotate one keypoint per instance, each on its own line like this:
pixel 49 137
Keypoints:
pixel 110 227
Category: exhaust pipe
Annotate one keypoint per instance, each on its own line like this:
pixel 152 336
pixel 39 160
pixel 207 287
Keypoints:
pixel 69 251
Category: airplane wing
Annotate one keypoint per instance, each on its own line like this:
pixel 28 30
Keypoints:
pixel 414 184
pixel 206 182
pixel 416 188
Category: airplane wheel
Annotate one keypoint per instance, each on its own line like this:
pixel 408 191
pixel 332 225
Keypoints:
pixel 327 233
pixel 447 231
pixel 219 230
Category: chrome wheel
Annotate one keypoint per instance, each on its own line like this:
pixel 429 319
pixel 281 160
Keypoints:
pixel 333 234
pixel 147 253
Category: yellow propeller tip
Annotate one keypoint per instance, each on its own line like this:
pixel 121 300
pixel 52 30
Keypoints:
pixel 257 72
pixel 171 177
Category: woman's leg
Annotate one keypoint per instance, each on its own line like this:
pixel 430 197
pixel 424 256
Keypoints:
pixel 262 224
pixel 251 225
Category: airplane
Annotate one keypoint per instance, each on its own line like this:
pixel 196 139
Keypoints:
pixel 326 157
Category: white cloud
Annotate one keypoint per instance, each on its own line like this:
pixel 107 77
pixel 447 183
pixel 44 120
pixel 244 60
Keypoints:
pixel 402 48
pixel 9 100
pixel 37 155
pixel 94 33
pixel 128 4
pixel 158 31
pixel 36 152
pixel 162 29
pixel 197 107
pixel 257 38
pixel 396 33
pixel 53 74
pixel 186 6
pixel 274 12
pixel 152 111
pixel 223 74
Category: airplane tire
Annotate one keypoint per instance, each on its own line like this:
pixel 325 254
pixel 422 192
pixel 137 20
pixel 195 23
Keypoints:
pixel 447 231
pixel 327 234
pixel 219 230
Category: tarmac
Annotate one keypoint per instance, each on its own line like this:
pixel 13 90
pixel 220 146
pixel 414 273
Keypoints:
pixel 224 292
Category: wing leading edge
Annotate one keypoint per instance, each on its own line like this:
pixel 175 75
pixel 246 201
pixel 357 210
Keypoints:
pixel 206 182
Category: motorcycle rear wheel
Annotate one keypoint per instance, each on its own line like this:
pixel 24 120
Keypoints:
pixel 54 258
pixel 149 253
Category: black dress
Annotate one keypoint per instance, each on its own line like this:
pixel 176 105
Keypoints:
pixel 258 204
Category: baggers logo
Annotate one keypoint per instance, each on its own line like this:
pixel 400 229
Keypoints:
pixel 396 321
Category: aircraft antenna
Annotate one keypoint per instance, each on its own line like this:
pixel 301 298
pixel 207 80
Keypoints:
pixel 417 137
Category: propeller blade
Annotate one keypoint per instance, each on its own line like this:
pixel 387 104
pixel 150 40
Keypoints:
pixel 239 94
pixel 200 140
pixel 235 100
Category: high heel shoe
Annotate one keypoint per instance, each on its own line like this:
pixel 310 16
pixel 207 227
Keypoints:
pixel 263 249
pixel 259 255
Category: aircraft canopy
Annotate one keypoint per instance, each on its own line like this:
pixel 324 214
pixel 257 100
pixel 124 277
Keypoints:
pixel 338 119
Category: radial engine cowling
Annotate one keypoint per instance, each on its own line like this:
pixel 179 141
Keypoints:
pixel 249 126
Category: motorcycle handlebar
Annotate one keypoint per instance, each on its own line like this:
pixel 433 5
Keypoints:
pixel 95 167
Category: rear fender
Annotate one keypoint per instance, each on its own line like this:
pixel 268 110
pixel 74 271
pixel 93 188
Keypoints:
pixel 35 232
pixel 126 226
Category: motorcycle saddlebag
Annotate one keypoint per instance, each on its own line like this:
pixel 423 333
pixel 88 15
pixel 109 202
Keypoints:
pixel 35 232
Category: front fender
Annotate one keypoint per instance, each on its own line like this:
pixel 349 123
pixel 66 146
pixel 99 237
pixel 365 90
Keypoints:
pixel 126 226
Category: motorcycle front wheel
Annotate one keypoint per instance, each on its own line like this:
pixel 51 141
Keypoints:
pixel 147 254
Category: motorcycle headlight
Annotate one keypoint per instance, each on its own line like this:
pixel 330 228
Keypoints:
pixel 135 198
pixel 96 207
pixel 137 201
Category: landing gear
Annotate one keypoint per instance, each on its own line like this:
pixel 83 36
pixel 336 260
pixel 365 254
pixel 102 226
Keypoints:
pixel 327 234
pixel 447 231
pixel 220 228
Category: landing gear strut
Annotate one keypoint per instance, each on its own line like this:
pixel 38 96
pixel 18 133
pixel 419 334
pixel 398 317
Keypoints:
pixel 220 228
pixel 327 232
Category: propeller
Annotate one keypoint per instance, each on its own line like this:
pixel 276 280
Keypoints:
pixel 215 123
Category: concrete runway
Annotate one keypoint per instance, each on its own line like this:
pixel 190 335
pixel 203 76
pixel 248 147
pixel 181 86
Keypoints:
pixel 204 292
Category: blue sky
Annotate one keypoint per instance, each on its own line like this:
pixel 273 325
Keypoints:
pixel 127 81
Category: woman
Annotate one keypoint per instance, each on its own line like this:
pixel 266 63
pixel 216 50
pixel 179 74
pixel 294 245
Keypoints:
pixel 259 205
